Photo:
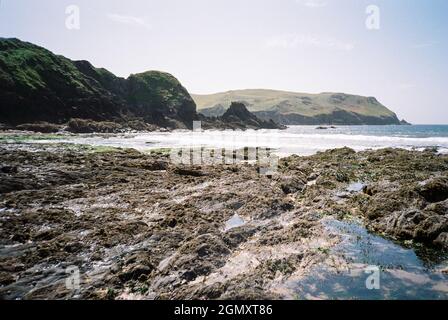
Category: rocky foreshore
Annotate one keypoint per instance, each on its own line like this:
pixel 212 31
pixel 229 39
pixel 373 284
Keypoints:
pixel 138 226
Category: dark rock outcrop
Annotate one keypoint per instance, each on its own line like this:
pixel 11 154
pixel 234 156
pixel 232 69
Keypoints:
pixel 87 126
pixel 238 116
pixel 216 111
pixel 434 190
pixel 403 122
pixel 43 127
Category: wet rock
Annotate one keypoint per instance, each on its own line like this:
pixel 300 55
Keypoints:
pixel 135 272
pixel 284 266
pixel 45 235
pixel 434 190
pixel 20 237
pixel 342 176
pixel 313 176
pixel 42 127
pixel 112 234
pixel 414 224
pixel 235 237
pixel 9 169
pixel 172 223
pixel 190 172
pixel 383 205
pixel 136 267
pixel 369 190
pixel 431 227
pixel 442 240
pixel 96 256
pixel 200 256
pixel 196 271
pixel 438 207
pixel 56 291
pixel 215 247
pixel 278 207
pixel 326 183
pixel 291 184
pixel 73 247
pixel 6 278
pixel 90 126
pixel 11 184
pixel 213 291
pixel 236 205
pixel 11 265
pixel 402 224
pixel 156 165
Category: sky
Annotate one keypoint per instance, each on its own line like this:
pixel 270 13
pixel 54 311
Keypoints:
pixel 396 53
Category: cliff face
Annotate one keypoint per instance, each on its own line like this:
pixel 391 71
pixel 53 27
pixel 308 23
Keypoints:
pixel 292 108
pixel 337 117
pixel 37 85
pixel 159 98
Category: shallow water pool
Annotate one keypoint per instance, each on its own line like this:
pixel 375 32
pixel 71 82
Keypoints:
pixel 403 274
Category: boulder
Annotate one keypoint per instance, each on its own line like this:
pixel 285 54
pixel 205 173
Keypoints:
pixel 90 126
pixel 291 184
pixel 442 240
pixel 434 190
pixel 42 127
pixel 413 224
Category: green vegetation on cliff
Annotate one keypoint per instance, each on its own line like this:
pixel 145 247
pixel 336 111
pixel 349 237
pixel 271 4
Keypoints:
pixel 37 85
pixel 162 94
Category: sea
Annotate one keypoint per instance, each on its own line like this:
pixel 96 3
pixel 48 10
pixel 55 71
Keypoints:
pixel 300 140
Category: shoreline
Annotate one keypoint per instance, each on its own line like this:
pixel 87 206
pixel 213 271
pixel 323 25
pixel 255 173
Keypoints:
pixel 296 140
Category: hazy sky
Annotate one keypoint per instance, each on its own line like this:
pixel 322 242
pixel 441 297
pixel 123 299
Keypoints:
pixel 219 45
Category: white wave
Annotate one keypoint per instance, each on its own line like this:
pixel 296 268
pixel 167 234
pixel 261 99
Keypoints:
pixel 284 141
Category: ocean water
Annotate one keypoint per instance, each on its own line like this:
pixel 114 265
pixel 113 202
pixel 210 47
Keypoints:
pixel 301 140
pixel 403 272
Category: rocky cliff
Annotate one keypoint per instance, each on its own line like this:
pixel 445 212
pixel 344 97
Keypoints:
pixel 37 85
